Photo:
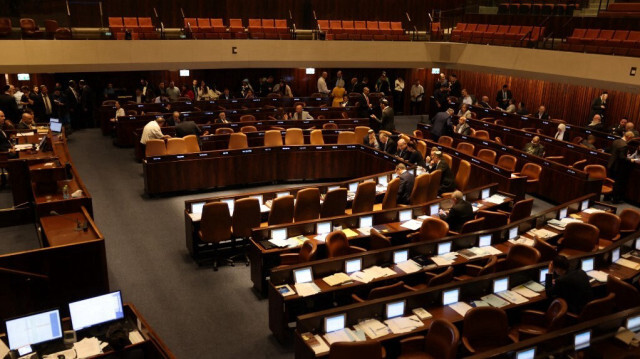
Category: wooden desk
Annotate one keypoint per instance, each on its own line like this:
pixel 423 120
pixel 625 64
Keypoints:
pixel 59 230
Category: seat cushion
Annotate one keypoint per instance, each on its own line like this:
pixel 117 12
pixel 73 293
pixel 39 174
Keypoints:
pixel 416 355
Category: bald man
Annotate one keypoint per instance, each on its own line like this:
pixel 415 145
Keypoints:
pixel 534 147
pixel 460 212
pixel 26 123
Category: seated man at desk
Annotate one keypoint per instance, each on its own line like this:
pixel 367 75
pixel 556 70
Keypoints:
pixel 387 144
pixel 534 147
pixel 402 150
pixel 447 183
pixel 571 285
pixel 407 179
pixel 589 142
pixel 541 114
pixel 26 123
pixel 300 114
pixel 415 157
pixel 371 140
pixel 461 212
pixel 152 131
pixel 620 128
pixel 186 128
pixel 462 128
pixel 596 124
pixel 222 118
pixel 629 127
pixel 174 119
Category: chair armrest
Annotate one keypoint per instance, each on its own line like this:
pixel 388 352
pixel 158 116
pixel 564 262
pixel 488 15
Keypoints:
pixel 473 270
pixel 503 212
pixel 429 275
pixel 467 345
pixel 516 174
pixel 513 336
pixel 532 317
pixel 356 298
pixel 354 249
pixel 411 236
pixel 410 288
pixel 412 344
pixel 500 264
pixel 609 181
pixel 452 233
pixel 288 258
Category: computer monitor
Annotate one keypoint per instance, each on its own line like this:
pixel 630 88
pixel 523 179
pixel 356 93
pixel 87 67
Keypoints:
pixel 587 264
pixel 633 323
pixel 450 296
pixel 323 227
pixel 637 246
pixel 513 232
pixel 395 309
pixel 97 310
pixel 259 197
pixel 331 188
pixel 34 329
pixel 562 213
pixel 353 187
pixel 231 203
pixel 615 255
pixel 383 180
pixel 365 222
pixel 484 241
pixel 501 285
pixel 352 265
pixel 584 205
pixel 196 208
pixel 582 340
pixel 543 275
pixel 444 248
pixel 434 208
pixel 279 234
pixel 282 194
pixel 303 275
pixel 485 193
pixel 526 354
pixel 334 323
pixel 405 215
pixel 56 127
pixel 400 256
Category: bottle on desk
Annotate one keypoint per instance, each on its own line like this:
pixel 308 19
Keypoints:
pixel 65 192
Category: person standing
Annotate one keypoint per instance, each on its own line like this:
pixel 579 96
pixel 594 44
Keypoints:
pixel 618 166
pixel 387 122
pixel 454 85
pixel 441 124
pixel 339 80
pixel 417 94
pixel 73 104
pixel 599 105
pixel 503 96
pixel 322 84
pixel 337 93
pixel 398 95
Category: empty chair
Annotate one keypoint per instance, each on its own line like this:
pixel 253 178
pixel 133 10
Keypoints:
pixel 385 291
pixel 272 138
pixel 294 137
pixel 131 24
pixel 595 309
pixel 463 174
pixel 473 225
pixel 307 205
pixel 420 191
pixel 335 203
pixel 370 349
pixel 307 253
pixel 431 229
pixel 346 138
pixel 579 238
pixel 507 162
pixel 627 295
pixel 475 270
pixel 436 279
pixel 246 216
pixel 223 131
pixel 434 185
pixel 235 25
pixel 418 134
pixel 390 199
pixel 329 126
pixel 487 155
pixel 579 165
pixel 378 241
pixel 338 245
pixel 532 172
pixel 316 137
pixel 215 227
pixel 281 210
pixel 598 172
pixel 360 132
pixel 218 26
pixel 519 255
pixel 116 24
pixel 445 141
pixel 609 226
pixel 155 148
pixel 246 129
pixel 547 251
pixel 493 219
pixel 422 148
pixel 521 209
pixel 237 141
pixel 533 322
pixel 191 142
pixel 440 342
pixel 486 328
pixel 466 148
pixel 5 26
pixel 247 118
pixel 30 29
pixel 629 221
pixel 176 146
pixel 365 197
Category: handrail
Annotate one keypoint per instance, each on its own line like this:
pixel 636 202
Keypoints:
pixel 69 16
pixel 23 273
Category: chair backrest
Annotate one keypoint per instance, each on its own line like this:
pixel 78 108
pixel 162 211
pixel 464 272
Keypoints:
pixel 346 138
pixel 445 141
pixel 442 340
pixel 246 129
pixel 316 137
pixel 155 148
pixel 522 209
pixel 281 210
pixel 531 170
pixel 335 203
pixel 365 197
pixel 629 220
pixel 488 155
pixel 507 162
pixel 581 236
pixel 215 223
pixel 50 26
pixel 308 251
pixel 418 134
pixel 493 219
pixel 246 215
pixel 463 174
pixel 607 223
pixel 422 148
pixel 521 255
pixel 176 146
pixel 597 308
pixel 434 185
pixel 377 240
pixel 238 140
pixel 388 290
pixel 390 199
pixel 447 158
pixel 489 267
pixel 307 206
pixel 420 191
pixel 482 134
pixel 330 126
pixel 627 295
pixel 432 229
pixel 556 314
pixel 223 131
pixel 27 24
pixel 370 349
pixel 191 142
pixel 473 225
pixel 442 278
pixel 293 137
pixel 272 138
pixel 466 148
pixel 596 171
pixel 547 251
pixel 337 244
pixel 485 326
pixel 360 132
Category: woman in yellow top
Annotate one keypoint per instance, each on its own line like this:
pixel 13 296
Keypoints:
pixel 337 94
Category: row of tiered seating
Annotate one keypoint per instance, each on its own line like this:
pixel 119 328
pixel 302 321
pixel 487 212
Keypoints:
pixel 30 29
pixel 619 42
pixel 540 7
pixel 514 35
pixel 138 27
pixel 621 10
pixel 362 30
pixel 205 28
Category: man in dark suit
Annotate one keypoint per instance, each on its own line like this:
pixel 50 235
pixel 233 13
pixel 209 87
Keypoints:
pixel 621 128
pixel 72 95
pixel 86 104
pixel 5 144
pixel 226 95
pixel 407 179
pixel 386 122
pixel 461 212
pixel 8 104
pixel 371 140
pixel 447 183
pixel 387 144
pixel 186 128
pixel 571 285
pixel 441 124
pixel 402 150
pixel 454 85
pixel 599 105
pixel 43 105
pixel 364 105
pixel 503 96
pixel 618 166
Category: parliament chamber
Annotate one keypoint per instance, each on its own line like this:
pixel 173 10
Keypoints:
pixel 320 179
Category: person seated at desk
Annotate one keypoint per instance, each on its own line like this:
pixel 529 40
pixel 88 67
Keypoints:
pixel 119 112
pixel 5 143
pixel 596 124
pixel 571 285
pixel 186 128
pixel 447 184
pixel 521 109
pixel 511 107
pixel 541 114
pixel 174 119
pixel 620 128
pixel 407 180
pixel 484 102
pixel 226 95
pixel 561 134
pixel 117 339
pixel 152 131
pixel 464 111
pixel 415 157
pixel 402 150
pixel 26 123
pixel 387 144
pixel 589 142
pixel 460 212
pixel 534 147
pixel 300 114
pixel 629 127
pixel 462 128
pixel 222 118
pixel 371 140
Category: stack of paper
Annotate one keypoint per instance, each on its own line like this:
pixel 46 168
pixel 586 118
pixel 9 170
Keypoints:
pixel 307 289
pixel 404 324
pixel 525 292
pixel 629 264
pixel 461 308
pixel 362 277
pixel 337 279
pixel 343 335
pixel 598 275
pixel 513 297
pixel 413 224
pixel 445 259
pixel 522 240
pixel 496 199
pixel 409 266
pixel 534 286
pixel 468 253
pixel 373 328
pixel 592 210
pixel 87 347
pixel 349 233
pixel 542 233
pixel 321 237
pixel 379 272
pixel 366 230
pixel 316 343
pixel 495 301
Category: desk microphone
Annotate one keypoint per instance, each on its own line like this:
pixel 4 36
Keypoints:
pixel 80 225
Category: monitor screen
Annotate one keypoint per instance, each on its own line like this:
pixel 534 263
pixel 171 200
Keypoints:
pixel 450 296
pixel 303 275
pixel 543 274
pixel 405 215
pixel 383 180
pixel 637 244
pixel 282 194
pixel 501 285
pixel 24 77
pixel 562 214
pixel 485 240
pixel 400 256
pixel 323 227
pixel 633 323
pixel 34 329
pixel 615 255
pixel 353 265
pixel 485 193
pixel 230 202
pixel 395 309
pixel 582 340
pixel 584 205
pixel 196 208
pixel 334 323
pixel 513 232
pixel 526 354
pixel 433 209
pixel 259 197
pixel 444 248
pixel 366 222
pixel 56 127
pixel 53 120
pixel 331 188
pixel 97 310
pixel 587 264
pixel 353 187
pixel 279 234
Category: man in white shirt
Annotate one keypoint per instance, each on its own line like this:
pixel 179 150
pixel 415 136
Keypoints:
pixel 417 93
pixel 466 98
pixel 152 131
pixel 322 84
pixel 398 94
pixel 18 96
